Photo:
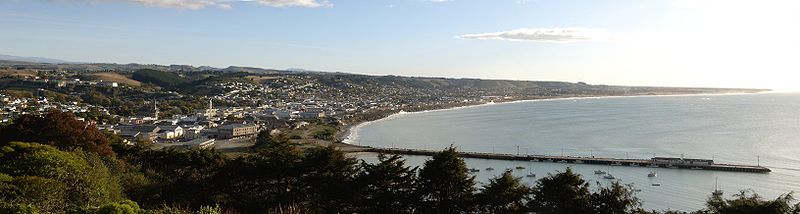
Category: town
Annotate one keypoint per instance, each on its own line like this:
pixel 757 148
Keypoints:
pixel 179 106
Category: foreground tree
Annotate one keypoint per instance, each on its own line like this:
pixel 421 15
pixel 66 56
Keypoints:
pixel 563 192
pixel 388 186
pixel 54 180
pixel 616 198
pixel 330 176
pixel 503 194
pixel 747 201
pixel 445 184
pixel 59 129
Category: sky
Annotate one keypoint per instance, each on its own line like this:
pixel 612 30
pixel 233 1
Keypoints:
pixel 698 43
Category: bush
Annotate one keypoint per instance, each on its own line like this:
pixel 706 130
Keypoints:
pixel 122 207
pixel 17 208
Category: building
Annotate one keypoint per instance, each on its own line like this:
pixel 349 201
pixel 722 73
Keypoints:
pixel 682 161
pixel 169 132
pixel 236 131
pixel 139 132
pixel 109 84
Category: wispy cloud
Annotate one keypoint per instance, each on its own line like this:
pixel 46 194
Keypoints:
pixel 545 35
pixel 224 4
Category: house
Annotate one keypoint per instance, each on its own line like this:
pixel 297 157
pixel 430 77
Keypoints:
pixel 236 130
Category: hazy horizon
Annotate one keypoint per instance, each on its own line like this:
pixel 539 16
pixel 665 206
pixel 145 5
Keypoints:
pixel 703 43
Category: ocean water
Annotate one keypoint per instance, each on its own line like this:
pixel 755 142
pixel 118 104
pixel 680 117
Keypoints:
pixel 739 129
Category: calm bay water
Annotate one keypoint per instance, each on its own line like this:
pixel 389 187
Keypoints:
pixel 741 129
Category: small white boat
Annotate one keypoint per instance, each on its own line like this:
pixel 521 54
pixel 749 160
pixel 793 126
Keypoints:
pixel 653 165
pixel 474 170
pixel 696 168
pixel 609 176
pixel 652 174
pixel 599 172
pixel 489 169
pixel 617 163
pixel 520 167
pixel 530 175
pixel 562 161
pixel 634 164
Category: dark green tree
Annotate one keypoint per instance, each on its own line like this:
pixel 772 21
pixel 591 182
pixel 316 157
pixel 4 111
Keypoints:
pixel 268 179
pixel 445 184
pixel 330 178
pixel 504 194
pixel 614 199
pixel 564 192
pixel 388 186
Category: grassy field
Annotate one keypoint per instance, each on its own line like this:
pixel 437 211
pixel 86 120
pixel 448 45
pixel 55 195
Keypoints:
pixel 113 77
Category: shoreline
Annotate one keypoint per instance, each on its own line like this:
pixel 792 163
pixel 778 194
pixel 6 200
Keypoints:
pixel 350 131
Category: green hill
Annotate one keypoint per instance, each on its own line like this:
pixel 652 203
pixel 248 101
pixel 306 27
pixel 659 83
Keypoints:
pixel 159 78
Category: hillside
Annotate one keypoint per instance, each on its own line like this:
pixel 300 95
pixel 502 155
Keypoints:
pixel 159 78
pixel 112 77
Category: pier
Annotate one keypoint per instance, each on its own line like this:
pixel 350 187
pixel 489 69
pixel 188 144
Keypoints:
pixel 656 162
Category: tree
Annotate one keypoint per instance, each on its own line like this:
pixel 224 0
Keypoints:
pixel 268 179
pixel 445 184
pixel 504 194
pixel 563 192
pixel 388 186
pixel 747 201
pixel 616 198
pixel 52 180
pixel 329 176
pixel 59 129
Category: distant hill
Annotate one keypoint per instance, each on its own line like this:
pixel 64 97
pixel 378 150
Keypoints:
pixel 202 78
pixel 32 59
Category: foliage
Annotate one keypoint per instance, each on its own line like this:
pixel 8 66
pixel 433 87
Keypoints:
pixel 388 186
pixel 747 201
pixel 59 129
pixel 563 192
pixel 53 180
pixel 122 207
pixel 324 132
pixel 616 198
pixel 17 208
pixel 445 184
pixel 504 194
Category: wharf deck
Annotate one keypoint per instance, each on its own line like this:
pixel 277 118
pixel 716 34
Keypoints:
pixel 582 160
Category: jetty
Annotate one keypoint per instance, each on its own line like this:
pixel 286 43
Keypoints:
pixel 655 162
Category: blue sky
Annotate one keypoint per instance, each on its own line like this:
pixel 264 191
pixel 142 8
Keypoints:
pixel 627 42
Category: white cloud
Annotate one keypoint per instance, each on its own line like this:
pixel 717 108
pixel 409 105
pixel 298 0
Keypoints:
pixel 224 4
pixel 545 35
